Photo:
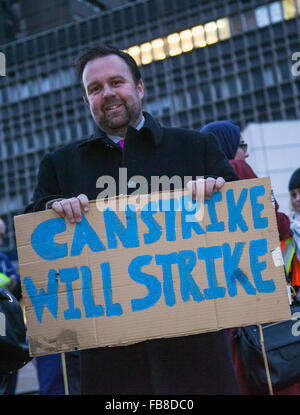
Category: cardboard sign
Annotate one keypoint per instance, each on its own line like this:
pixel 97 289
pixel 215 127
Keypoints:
pixel 154 269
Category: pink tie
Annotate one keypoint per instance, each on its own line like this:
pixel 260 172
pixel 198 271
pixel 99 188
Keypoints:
pixel 121 143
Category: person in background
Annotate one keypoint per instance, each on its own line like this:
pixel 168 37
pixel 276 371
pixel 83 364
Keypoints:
pixel 9 277
pixel 291 246
pixel 50 374
pixel 233 145
pixel 10 280
pixel 294 189
pixel 48 367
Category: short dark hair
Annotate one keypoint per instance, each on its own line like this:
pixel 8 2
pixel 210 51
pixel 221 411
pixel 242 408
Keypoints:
pixel 105 50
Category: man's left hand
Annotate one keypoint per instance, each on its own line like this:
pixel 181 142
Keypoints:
pixel 202 189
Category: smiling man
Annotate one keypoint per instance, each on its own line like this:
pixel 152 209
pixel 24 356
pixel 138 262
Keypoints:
pixel 127 137
pixel 114 97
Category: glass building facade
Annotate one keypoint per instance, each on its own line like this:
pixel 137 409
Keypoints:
pixel 201 61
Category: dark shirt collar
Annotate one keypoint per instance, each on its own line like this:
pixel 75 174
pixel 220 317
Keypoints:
pixel 151 129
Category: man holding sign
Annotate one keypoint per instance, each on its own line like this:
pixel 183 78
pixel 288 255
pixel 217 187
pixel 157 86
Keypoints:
pixel 128 139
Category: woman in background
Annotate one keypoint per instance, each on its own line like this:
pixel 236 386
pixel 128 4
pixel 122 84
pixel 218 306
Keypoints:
pixel 294 262
pixel 231 141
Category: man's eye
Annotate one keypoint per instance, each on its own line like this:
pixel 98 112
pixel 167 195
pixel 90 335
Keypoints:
pixel 94 88
pixel 116 82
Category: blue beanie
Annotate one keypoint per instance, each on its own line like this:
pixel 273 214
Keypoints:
pixel 228 134
pixel 294 182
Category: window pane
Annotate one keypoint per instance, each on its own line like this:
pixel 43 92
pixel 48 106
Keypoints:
pixel 9 147
pixel 45 84
pixel 51 136
pixel 50 41
pixel 193 97
pixel 67 76
pixel 165 105
pixel 211 32
pixel 269 76
pixel 186 40
pixel 289 9
pixel 72 35
pixel 262 17
pixel 73 131
pixel 33 87
pixel 55 80
pixel 283 71
pixel 83 31
pixel 146 52
pixel 29 141
pixel 24 91
pixel 180 101
pixel 174 44
pixel 158 49
pixel 219 88
pixel 30 49
pixel 232 90
pixel 250 19
pixel 62 41
pixel 236 24
pixel 198 36
pixel 152 107
pixel 257 78
pixel 12 93
pixel 275 12
pixel 223 28
pixel 140 13
pixel 41 45
pixel 84 129
pixel 244 81
pixel 205 89
pixel 134 51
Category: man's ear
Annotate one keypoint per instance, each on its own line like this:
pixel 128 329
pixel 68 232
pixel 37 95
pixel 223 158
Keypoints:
pixel 140 88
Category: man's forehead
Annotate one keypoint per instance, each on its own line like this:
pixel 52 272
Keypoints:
pixel 105 66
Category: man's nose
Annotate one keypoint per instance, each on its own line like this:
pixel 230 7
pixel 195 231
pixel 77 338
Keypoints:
pixel 107 91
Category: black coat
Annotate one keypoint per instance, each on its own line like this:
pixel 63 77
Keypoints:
pixel 198 364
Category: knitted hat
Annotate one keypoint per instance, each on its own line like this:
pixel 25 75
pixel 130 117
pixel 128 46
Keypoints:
pixel 294 182
pixel 228 134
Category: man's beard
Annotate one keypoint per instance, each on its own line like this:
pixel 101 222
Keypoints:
pixel 119 122
pixel 116 122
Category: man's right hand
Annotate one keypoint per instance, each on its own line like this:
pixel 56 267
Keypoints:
pixel 71 208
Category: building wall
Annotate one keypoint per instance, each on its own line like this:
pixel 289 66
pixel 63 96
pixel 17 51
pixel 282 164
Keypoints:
pixel 244 75
pixel 7 22
pixel 274 150
pixel 43 15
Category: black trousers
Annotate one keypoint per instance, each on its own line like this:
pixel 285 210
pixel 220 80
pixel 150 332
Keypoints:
pixel 200 364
